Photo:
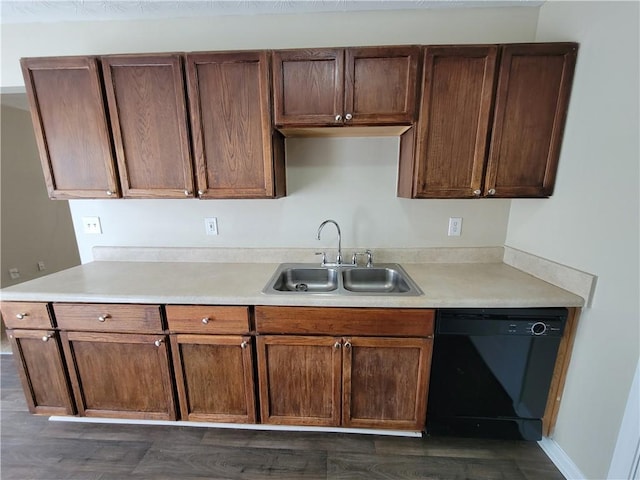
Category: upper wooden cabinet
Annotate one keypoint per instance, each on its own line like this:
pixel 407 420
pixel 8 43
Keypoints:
pixel 237 153
pixel 147 107
pixel 474 139
pixel 353 86
pixel 531 105
pixel 71 128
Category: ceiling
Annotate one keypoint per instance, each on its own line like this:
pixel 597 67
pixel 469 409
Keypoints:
pixel 28 11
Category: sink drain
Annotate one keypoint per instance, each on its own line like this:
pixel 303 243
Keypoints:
pixel 302 287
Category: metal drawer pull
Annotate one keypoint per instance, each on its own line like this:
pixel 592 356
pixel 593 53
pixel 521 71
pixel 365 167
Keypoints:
pixel 205 320
pixel 102 318
pixel 47 337
pixel 157 343
pixel 20 316
pixel 244 344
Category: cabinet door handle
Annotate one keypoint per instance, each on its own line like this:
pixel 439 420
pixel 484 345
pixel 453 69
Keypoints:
pixel 337 345
pixel 477 193
pixel 244 344
pixel 20 316
pixel 102 318
pixel 200 193
pixel 347 344
pixel 205 320
pixel 492 191
pixel 348 116
pixel 338 118
pixel 109 193
pixel 47 337
pixel 187 193
pixel 157 343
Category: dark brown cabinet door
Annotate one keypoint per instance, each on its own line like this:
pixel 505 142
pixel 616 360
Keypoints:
pixel 70 123
pixel 308 87
pixel 214 378
pixel 147 107
pixel 38 357
pixel 385 382
pixel 237 153
pixel 381 85
pixel 531 105
pixel 453 128
pixel 120 375
pixel 299 380
pixel 341 87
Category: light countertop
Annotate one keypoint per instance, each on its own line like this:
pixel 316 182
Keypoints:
pixel 443 284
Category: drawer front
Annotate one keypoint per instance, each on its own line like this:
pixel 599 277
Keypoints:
pixel 26 315
pixel 208 319
pixel 378 322
pixel 109 317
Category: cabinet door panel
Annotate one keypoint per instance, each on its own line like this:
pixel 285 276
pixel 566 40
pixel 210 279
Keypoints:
pixel 385 382
pixel 454 123
pixel 308 86
pixel 381 85
pixel 231 124
pixel 71 127
pixel 120 375
pixel 147 106
pixel 214 376
pixel 299 380
pixel 531 105
pixel 41 370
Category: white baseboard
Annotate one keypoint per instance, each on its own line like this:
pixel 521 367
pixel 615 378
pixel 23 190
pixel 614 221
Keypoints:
pixel 237 426
pixel 560 459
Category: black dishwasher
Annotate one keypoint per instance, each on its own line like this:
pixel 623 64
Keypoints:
pixel 491 371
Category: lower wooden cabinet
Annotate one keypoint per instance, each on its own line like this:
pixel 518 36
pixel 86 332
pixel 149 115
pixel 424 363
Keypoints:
pixel 300 378
pixel 120 375
pixel 385 381
pixel 38 356
pixel 214 377
pixel 358 382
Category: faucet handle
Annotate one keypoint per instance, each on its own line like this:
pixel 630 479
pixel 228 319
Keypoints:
pixel 324 258
pixel 369 255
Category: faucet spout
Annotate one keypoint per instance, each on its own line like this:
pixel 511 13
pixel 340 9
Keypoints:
pixel 339 257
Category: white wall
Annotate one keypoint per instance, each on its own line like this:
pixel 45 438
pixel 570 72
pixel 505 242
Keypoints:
pixel 351 180
pixel 33 227
pixel 591 223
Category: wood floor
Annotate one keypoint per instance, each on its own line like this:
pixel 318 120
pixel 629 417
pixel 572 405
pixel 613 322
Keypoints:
pixel 34 448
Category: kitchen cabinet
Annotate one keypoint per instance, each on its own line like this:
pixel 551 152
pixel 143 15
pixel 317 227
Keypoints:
pixel 213 364
pixel 113 373
pixel 237 152
pixel 353 86
pixel 488 128
pixel 71 126
pixel 38 355
pixel 370 374
pixel 148 113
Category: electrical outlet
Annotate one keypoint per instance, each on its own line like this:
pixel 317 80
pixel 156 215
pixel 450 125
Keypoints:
pixel 41 267
pixel 211 225
pixel 14 273
pixel 91 225
pixel 455 226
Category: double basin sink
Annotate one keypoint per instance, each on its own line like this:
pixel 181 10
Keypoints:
pixel 304 278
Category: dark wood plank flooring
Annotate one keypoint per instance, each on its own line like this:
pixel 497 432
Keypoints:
pixel 34 448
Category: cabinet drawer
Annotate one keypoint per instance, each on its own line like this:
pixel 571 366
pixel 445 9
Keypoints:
pixel 108 317
pixel 208 319
pixel 26 315
pixel 385 322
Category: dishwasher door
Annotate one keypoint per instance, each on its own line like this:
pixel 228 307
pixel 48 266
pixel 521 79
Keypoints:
pixel 491 371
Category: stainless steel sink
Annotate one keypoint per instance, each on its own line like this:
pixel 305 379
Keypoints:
pixel 375 280
pixel 305 279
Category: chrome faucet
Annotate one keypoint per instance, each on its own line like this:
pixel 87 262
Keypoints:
pixel 339 257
